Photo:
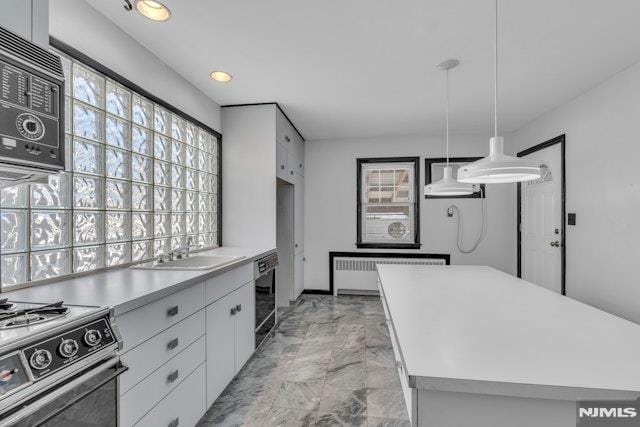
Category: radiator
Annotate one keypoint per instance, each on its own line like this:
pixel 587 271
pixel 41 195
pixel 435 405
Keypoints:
pixel 353 275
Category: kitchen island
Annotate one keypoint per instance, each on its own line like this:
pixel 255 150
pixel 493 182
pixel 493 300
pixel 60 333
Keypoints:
pixel 478 347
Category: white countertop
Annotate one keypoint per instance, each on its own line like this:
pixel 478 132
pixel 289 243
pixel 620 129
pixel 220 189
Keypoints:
pixel 476 329
pixel 126 289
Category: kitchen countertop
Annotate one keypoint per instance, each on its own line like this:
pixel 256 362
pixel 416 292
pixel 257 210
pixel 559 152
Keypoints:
pixel 475 329
pixel 126 289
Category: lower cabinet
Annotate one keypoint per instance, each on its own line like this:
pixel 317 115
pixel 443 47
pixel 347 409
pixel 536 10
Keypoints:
pixel 230 337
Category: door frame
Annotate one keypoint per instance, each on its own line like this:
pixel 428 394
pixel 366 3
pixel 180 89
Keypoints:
pixel 563 243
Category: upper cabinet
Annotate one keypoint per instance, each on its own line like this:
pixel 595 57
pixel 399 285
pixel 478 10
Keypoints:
pixel 289 150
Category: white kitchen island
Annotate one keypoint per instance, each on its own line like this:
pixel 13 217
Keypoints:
pixel 476 347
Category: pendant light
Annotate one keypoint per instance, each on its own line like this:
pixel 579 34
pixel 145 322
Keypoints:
pixel 498 167
pixel 448 186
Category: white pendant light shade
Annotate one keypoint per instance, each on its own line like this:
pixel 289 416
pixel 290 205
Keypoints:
pixel 498 167
pixel 448 186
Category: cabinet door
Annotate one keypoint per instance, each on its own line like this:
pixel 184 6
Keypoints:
pixel 245 324
pixel 298 273
pixel 281 161
pixel 299 214
pixel 220 346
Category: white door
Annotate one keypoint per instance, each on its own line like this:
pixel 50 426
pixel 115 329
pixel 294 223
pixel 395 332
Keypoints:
pixel 245 319
pixel 541 222
pixel 220 346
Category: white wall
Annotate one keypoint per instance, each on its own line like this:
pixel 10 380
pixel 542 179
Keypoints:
pixel 77 24
pixel 249 177
pixel 330 205
pixel 603 188
pixel 27 18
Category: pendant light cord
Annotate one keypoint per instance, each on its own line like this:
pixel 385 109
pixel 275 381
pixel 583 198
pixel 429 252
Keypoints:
pixel 483 229
pixel 495 75
pixel 447 114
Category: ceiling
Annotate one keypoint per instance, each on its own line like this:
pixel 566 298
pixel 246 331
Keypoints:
pixel 360 68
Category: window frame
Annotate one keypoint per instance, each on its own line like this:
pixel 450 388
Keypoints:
pixel 416 210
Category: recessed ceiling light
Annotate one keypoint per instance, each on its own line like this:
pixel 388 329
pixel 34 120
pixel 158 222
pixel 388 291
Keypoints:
pixel 221 76
pixel 153 10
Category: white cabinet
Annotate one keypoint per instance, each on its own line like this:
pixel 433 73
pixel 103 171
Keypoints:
pixel 298 273
pixel 281 162
pixel 230 337
pixel 299 214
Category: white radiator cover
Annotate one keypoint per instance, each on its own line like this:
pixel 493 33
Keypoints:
pixel 358 275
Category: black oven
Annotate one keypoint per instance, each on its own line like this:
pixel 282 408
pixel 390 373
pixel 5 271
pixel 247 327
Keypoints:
pixel 265 288
pixel 87 398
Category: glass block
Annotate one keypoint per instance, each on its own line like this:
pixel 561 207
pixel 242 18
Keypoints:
pixel 118 100
pixel 203 222
pixel 14 269
pixel 50 229
pixel 178 200
pixel 141 250
pixel 118 226
pixel 118 253
pixel 68 153
pixel 162 225
pixel 142 226
pixel 87 156
pixel 202 162
pixel 193 238
pixel 66 69
pixel 117 132
pixel 192 135
pixel 88 122
pixel 141 197
pixel 179 128
pixel 117 163
pixel 14 197
pixel 192 201
pixel 207 239
pixel 214 148
pixel 162 173
pixel 88 192
pixel 141 168
pixel 161 246
pixel 162 199
pixel 213 202
pixel 202 240
pixel 50 264
pixel 192 223
pixel 88 227
pixel 192 179
pixel 204 141
pixel 191 158
pixel 203 203
pixel 203 181
pixel 177 152
pixel 161 120
pixel 117 194
pixel 68 118
pixel 214 184
pixel 161 147
pixel 214 165
pixel 55 194
pixel 213 240
pixel 88 258
pixel 141 140
pixel 177 176
pixel 13 231
pixel 88 86
pixel 141 112
pixel 178 224
pixel 178 242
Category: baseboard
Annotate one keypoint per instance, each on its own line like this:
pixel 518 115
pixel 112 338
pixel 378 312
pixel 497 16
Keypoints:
pixel 317 291
pixel 363 292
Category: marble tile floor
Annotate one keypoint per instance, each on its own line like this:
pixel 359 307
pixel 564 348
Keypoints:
pixel 328 363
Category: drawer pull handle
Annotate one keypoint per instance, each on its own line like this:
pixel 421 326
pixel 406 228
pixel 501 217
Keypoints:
pixel 286 138
pixel 238 308
pixel 233 311
pixel 172 376
pixel 172 344
pixel 282 167
pixel 174 423
pixel 172 311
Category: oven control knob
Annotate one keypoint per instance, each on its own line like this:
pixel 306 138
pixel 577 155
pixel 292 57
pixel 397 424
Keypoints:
pixel 92 337
pixel 40 359
pixel 68 348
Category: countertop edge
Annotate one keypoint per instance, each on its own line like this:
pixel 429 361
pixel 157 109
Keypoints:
pixel 130 305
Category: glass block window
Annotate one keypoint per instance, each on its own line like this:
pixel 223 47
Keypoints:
pixel 140 181
pixel 388 203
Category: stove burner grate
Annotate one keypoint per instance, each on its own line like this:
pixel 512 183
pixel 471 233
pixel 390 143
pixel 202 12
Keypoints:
pixel 10 319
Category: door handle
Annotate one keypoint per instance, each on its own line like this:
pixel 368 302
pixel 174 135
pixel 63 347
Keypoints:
pixel 555 244
pixel 238 308
pixel 233 311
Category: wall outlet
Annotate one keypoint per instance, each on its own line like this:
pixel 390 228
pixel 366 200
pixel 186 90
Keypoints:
pixel 450 212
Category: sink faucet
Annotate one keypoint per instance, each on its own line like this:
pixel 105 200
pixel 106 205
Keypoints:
pixel 185 251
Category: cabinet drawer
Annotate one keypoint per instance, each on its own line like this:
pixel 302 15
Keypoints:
pixel 139 325
pixel 135 403
pixel 151 354
pixel 219 286
pixel 184 406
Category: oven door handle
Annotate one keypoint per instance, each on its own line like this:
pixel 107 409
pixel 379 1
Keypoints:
pixel 54 394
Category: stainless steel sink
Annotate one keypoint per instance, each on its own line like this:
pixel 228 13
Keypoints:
pixel 194 262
